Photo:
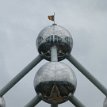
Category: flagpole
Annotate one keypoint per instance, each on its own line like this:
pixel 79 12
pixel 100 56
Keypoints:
pixel 54 17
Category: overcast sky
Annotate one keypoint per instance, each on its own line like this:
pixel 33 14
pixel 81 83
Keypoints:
pixel 20 23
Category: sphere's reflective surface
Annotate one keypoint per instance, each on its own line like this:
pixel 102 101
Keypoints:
pixel 2 102
pixel 54 81
pixel 105 103
pixel 54 35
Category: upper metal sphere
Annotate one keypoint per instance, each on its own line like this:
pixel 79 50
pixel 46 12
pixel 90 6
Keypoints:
pixel 54 35
pixel 2 102
pixel 105 102
pixel 54 81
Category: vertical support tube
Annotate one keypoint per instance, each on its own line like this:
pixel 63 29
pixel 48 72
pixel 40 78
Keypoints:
pixel 34 101
pixel 19 76
pixel 75 101
pixel 54 105
pixel 54 56
pixel 87 74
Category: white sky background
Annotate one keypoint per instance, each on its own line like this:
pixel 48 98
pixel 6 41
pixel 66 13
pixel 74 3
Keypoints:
pixel 20 23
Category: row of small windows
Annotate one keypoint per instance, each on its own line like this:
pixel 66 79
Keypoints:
pixel 55 39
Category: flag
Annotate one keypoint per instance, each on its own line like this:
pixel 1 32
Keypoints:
pixel 51 17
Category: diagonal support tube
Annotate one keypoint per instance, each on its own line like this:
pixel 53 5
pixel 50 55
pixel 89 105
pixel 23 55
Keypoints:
pixel 87 74
pixel 34 101
pixel 75 101
pixel 54 105
pixel 19 76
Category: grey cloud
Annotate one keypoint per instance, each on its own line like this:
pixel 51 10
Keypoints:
pixel 20 23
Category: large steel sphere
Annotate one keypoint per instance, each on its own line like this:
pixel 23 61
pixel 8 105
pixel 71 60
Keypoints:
pixel 105 103
pixel 54 35
pixel 55 81
pixel 2 102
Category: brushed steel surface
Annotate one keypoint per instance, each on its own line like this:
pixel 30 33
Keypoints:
pixel 55 81
pixel 54 35
pixel 55 71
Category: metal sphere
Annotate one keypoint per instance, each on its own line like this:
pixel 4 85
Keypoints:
pixel 2 102
pixel 55 81
pixel 54 35
pixel 105 102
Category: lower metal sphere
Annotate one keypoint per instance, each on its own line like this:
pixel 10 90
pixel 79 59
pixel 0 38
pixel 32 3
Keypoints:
pixel 105 103
pixel 2 102
pixel 55 81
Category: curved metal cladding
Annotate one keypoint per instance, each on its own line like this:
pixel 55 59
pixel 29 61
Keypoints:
pixel 2 102
pixel 54 35
pixel 55 81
